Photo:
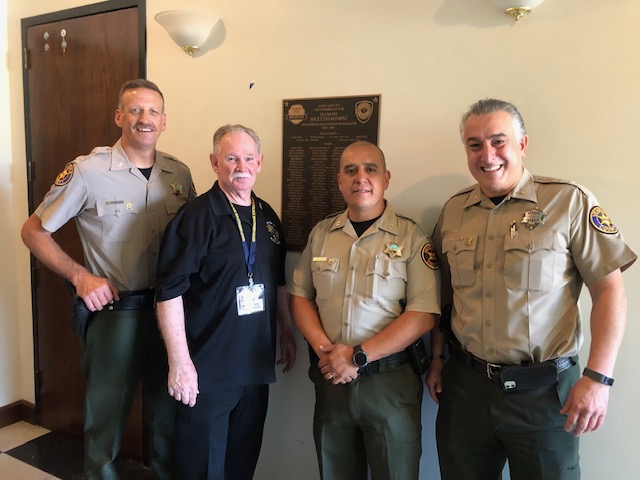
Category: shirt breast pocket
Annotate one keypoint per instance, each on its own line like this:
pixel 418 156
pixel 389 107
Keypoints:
pixel 173 204
pixel 530 261
pixel 325 277
pixel 118 219
pixel 460 250
pixel 386 281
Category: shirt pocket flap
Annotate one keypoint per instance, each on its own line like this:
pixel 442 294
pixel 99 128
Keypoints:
pixel 324 264
pixel 114 207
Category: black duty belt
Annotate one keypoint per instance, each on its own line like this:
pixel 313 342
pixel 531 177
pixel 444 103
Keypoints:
pixel 385 364
pixel 133 300
pixel 492 370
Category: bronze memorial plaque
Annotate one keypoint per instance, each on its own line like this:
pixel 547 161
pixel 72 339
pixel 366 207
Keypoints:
pixel 315 132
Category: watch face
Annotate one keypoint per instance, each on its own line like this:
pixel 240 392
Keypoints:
pixel 360 359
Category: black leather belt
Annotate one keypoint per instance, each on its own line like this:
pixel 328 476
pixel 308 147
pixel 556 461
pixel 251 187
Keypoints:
pixel 133 300
pixel 492 370
pixel 385 364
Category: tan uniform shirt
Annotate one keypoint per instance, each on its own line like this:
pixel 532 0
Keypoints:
pixel 517 269
pixel 361 285
pixel 119 214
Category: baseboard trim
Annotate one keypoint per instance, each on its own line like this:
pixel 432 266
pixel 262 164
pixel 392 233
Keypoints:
pixel 16 412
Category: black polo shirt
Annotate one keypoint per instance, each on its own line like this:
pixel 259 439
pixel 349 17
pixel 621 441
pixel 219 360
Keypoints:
pixel 202 259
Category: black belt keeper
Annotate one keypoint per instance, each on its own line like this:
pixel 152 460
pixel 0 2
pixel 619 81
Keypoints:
pixel 515 377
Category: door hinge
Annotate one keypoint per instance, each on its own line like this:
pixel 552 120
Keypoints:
pixel 29 172
pixel 26 54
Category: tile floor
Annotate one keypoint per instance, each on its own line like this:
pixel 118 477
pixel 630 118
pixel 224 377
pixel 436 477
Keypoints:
pixel 30 452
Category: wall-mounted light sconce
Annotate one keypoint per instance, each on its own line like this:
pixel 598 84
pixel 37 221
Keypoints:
pixel 188 29
pixel 517 8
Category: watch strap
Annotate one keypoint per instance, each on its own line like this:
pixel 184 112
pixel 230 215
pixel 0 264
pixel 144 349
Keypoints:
pixel 598 377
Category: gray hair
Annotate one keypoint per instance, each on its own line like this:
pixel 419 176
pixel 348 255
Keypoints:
pixel 138 83
pixel 492 105
pixel 222 131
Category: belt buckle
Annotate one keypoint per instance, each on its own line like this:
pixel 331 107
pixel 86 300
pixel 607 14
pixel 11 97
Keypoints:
pixel 492 369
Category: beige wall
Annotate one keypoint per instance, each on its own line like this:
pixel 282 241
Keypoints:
pixel 572 68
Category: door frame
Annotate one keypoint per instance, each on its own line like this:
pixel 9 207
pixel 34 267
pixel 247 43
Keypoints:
pixel 25 23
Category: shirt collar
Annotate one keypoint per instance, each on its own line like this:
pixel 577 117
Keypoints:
pixel 524 190
pixel 388 221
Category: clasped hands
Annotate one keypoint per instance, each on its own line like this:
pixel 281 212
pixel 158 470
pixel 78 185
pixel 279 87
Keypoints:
pixel 336 363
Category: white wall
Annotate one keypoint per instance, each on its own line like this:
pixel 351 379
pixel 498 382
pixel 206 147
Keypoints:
pixel 572 68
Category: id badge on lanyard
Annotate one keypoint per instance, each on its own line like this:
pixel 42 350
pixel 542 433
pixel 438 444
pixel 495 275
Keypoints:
pixel 249 298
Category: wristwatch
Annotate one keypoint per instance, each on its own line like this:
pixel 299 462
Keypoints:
pixel 360 358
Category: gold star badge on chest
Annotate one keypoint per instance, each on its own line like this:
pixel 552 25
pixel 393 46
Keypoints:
pixel 393 250
pixel 176 189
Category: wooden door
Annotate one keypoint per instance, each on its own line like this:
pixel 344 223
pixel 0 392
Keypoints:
pixel 75 62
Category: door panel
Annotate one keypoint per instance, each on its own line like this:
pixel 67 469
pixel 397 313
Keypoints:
pixel 70 99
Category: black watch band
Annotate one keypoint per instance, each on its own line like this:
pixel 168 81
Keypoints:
pixel 598 377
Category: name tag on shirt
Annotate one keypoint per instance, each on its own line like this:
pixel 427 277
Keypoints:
pixel 250 299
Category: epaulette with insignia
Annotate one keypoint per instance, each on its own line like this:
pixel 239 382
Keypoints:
pixel 559 181
pixel 406 218
pixel 331 215
pixel 464 190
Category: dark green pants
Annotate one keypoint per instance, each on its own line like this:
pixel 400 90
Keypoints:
pixel 375 419
pixel 123 348
pixel 479 427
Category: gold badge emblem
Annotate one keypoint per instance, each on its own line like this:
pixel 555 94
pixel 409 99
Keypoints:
pixel 65 176
pixel 274 235
pixel 532 218
pixel 393 250
pixel 364 110
pixel 429 256
pixel 601 221
pixel 176 189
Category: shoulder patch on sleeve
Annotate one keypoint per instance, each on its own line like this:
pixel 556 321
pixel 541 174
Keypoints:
pixel 65 176
pixel 429 256
pixel 601 221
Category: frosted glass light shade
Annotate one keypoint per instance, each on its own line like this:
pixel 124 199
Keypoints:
pixel 188 29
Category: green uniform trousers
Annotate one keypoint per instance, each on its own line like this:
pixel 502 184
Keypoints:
pixel 480 426
pixel 122 348
pixel 374 420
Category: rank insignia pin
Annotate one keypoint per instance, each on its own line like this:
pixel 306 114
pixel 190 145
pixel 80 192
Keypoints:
pixel 393 250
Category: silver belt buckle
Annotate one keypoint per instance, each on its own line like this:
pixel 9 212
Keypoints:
pixel 492 369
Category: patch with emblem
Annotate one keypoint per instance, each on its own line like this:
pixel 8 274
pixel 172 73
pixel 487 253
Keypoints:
pixel 274 235
pixel 65 176
pixel 393 249
pixel 176 189
pixel 429 256
pixel 601 221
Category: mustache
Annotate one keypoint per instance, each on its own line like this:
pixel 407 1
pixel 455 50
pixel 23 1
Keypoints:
pixel 235 175
pixel 144 125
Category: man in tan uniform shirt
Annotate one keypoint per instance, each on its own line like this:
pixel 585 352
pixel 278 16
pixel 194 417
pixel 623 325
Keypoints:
pixel 121 199
pixel 515 251
pixel 365 287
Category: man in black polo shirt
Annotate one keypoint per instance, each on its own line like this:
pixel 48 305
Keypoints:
pixel 221 287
